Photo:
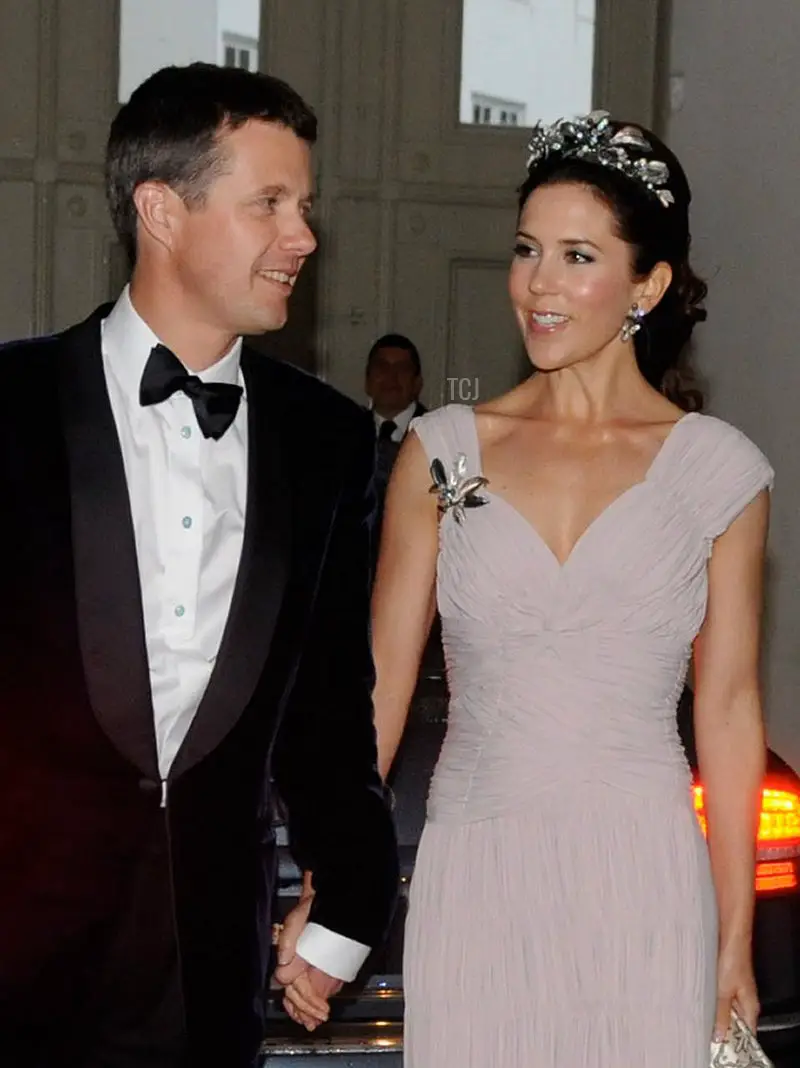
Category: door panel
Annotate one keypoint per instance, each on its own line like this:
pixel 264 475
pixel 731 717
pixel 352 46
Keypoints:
pixel 444 255
pixel 485 356
pixel 17 269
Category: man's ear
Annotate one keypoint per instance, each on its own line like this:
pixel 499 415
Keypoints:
pixel 157 207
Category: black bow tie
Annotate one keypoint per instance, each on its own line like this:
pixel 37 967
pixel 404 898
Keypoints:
pixel 215 403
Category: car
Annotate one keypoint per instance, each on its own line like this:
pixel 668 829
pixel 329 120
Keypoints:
pixel 366 1025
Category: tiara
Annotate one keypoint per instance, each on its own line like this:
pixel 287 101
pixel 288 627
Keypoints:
pixel 592 138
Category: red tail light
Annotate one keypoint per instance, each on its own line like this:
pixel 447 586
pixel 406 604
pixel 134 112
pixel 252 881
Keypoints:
pixel 778 837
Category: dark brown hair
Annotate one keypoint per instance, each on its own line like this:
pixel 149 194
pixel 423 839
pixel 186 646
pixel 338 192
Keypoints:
pixel 396 341
pixel 169 132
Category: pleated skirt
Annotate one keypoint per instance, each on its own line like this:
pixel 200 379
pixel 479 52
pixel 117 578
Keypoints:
pixel 578 934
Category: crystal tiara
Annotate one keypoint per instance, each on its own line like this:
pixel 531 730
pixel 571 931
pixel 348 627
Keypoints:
pixel 592 138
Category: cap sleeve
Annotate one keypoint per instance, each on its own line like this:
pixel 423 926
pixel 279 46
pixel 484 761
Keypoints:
pixel 735 471
pixel 446 432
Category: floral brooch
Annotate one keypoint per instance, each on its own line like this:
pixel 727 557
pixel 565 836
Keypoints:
pixel 454 490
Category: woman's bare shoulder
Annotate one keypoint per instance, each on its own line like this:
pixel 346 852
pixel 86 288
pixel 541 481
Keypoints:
pixel 503 414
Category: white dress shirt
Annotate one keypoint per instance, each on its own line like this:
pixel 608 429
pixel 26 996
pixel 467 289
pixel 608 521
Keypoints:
pixel 401 421
pixel 188 497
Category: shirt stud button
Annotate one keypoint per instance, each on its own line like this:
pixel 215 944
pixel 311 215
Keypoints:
pixel 180 611
pixel 187 522
pixel 186 431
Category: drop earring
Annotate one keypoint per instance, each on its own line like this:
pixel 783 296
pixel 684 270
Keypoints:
pixel 633 322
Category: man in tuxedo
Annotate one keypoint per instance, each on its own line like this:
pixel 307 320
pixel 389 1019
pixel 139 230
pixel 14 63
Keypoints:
pixel 393 383
pixel 185 591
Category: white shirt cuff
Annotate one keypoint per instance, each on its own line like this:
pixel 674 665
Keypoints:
pixel 332 953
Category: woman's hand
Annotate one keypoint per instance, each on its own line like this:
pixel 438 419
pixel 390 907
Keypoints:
pixel 736 987
pixel 305 1001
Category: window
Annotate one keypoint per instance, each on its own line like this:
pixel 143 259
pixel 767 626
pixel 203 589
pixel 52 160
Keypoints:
pixel 522 61
pixel 158 33
pixel 240 52
pixel 487 111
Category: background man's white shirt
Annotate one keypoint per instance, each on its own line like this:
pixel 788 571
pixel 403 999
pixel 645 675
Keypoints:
pixel 401 421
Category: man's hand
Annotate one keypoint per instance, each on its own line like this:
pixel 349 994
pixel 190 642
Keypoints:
pixel 307 995
pixel 307 988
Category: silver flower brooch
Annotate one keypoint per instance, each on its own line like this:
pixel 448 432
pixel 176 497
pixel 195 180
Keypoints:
pixel 455 491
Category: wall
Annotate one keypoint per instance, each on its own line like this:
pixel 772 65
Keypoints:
pixel 384 76
pixel 415 210
pixel 534 52
pixel 155 33
pixel 241 17
pixel 738 136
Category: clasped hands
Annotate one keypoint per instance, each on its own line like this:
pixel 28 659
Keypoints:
pixel 307 990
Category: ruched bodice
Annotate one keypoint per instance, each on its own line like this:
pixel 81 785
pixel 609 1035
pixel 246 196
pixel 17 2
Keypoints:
pixel 564 682
pixel 573 671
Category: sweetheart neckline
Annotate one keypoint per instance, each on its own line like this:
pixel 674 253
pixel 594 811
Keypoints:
pixel 561 565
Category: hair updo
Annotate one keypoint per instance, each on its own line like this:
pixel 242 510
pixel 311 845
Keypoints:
pixel 656 234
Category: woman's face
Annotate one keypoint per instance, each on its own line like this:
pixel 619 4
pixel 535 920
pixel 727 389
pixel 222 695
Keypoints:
pixel 571 280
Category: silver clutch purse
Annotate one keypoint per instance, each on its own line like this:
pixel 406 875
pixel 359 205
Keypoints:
pixel 739 1048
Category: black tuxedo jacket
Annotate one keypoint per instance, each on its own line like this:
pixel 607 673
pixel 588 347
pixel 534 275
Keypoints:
pixel 419 409
pixel 387 452
pixel 99 883
pixel 386 456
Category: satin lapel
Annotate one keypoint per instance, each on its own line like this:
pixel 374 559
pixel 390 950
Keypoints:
pixel 261 577
pixel 107 590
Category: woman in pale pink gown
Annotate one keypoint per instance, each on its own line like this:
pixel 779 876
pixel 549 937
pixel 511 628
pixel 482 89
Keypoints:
pixel 565 910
